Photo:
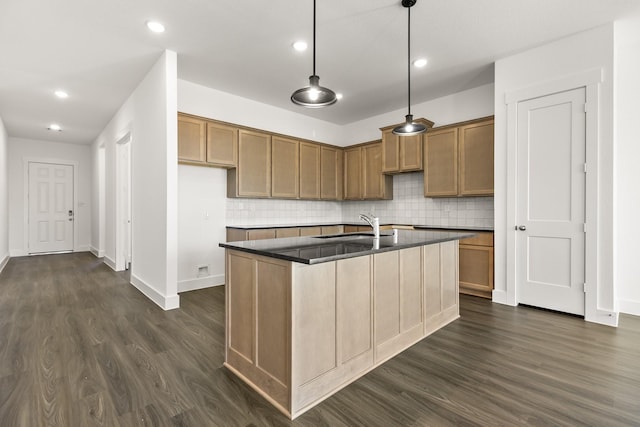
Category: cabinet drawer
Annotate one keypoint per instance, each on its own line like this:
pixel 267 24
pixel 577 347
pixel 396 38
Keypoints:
pixel 480 239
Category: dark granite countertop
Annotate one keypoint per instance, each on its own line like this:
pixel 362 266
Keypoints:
pixel 326 224
pixel 318 249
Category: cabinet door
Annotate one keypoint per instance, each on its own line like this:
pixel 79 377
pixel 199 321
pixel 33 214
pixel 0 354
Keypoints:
pixel 329 173
pixel 287 232
pixel 390 152
pixel 222 145
pixel 399 310
pixel 476 270
pixel 309 171
pixel 260 234
pixel 441 163
pixel 440 272
pixel 191 139
pixel 375 184
pixel 353 174
pixel 284 168
pixel 411 153
pixel 254 164
pixel 476 159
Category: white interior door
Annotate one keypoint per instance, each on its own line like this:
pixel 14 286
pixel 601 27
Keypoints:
pixel 123 201
pixel 550 213
pixel 50 207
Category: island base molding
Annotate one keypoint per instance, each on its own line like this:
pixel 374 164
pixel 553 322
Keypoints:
pixel 298 333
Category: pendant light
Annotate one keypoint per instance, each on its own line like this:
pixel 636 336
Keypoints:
pixel 314 95
pixel 409 127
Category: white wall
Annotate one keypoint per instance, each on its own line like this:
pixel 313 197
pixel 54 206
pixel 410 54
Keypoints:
pixel 203 189
pixel 201 226
pixel 149 114
pixel 627 172
pixel 458 107
pixel 561 59
pixel 212 103
pixel 21 149
pixel 4 197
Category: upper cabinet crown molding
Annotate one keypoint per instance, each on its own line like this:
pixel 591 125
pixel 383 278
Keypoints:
pixel 402 153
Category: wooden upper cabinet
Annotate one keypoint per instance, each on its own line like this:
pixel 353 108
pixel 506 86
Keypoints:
pixel 191 139
pixel 284 167
pixel 476 159
pixel 441 163
pixel 206 142
pixel 390 152
pixel 459 160
pixel 402 153
pixel 375 184
pixel 353 173
pixel 330 173
pixel 252 177
pixel 411 153
pixel 222 145
pixel 309 170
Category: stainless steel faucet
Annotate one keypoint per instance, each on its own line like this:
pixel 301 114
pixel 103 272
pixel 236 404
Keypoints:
pixel 374 222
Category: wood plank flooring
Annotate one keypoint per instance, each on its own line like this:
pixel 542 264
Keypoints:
pixel 79 346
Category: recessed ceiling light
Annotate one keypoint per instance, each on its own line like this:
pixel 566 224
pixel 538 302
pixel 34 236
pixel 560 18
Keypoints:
pixel 339 96
pixel 156 27
pixel 61 94
pixel 420 62
pixel 300 46
pixel 55 127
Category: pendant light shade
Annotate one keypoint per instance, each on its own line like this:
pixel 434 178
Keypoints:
pixel 314 95
pixel 409 127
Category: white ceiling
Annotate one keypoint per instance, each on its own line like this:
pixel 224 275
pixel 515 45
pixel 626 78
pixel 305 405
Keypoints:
pixel 99 51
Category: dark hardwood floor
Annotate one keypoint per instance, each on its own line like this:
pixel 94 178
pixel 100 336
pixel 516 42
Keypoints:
pixel 79 346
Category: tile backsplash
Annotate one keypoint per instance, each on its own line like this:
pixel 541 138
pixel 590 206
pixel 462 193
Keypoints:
pixel 409 206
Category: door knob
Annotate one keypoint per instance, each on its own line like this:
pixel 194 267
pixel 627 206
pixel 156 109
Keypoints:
pixel 522 227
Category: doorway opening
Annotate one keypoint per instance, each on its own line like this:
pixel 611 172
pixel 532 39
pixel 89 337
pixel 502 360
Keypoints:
pixel 123 204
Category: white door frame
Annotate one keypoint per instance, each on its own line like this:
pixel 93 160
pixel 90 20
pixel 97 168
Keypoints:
pixel 123 143
pixel 25 169
pixel 590 80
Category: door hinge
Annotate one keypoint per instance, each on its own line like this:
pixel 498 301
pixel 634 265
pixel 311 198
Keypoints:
pixel 585 168
pixel 584 288
pixel 584 227
pixel 585 107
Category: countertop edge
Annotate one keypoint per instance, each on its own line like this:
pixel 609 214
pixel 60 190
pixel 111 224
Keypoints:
pixel 399 246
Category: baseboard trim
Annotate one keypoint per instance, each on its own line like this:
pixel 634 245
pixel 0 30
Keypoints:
pixel 165 302
pixel 111 263
pixel 499 296
pixel 17 252
pixel 4 262
pixel 83 248
pixel 629 307
pixel 200 283
pixel 96 252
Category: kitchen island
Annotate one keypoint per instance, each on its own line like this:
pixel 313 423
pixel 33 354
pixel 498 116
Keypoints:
pixel 306 316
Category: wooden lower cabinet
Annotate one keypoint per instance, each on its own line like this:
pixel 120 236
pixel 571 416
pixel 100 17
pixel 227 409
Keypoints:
pixel 476 265
pixel 298 333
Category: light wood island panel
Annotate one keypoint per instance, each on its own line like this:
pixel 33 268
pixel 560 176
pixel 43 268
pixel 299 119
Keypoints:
pixel 298 333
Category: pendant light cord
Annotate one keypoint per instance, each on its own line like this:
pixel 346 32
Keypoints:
pixel 408 58
pixel 314 37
